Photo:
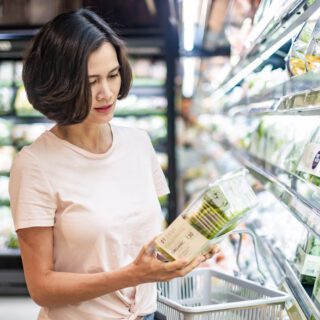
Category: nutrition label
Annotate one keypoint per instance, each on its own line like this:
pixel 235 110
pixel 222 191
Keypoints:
pixel 181 240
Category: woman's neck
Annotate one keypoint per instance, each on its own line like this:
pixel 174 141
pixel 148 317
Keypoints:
pixel 95 139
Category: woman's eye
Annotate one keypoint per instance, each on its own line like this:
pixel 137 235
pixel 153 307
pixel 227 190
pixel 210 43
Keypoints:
pixel 114 75
pixel 92 82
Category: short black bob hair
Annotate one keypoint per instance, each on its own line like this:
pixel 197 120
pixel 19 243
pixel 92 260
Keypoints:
pixel 55 71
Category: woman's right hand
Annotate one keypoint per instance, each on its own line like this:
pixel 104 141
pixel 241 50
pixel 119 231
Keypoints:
pixel 147 268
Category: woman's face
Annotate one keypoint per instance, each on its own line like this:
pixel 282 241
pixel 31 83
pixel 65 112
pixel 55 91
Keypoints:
pixel 105 82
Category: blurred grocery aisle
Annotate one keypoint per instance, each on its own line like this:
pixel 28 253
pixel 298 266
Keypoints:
pixel 18 308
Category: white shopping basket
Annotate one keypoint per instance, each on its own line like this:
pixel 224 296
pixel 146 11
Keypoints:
pixel 206 294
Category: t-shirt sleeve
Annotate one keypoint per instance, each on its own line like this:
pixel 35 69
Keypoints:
pixel 159 178
pixel 31 197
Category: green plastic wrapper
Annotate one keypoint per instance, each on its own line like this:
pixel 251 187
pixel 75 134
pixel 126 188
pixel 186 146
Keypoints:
pixel 216 211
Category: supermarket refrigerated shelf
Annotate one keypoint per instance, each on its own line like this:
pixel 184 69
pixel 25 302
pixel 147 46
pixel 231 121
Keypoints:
pixel 300 197
pixel 148 91
pixel 137 113
pixel 9 252
pixel 286 277
pixel 18 119
pixel 308 82
pixel 148 44
pixel 267 45
pixel 272 108
pixel 4 203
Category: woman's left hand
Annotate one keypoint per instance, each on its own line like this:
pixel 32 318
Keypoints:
pixel 212 251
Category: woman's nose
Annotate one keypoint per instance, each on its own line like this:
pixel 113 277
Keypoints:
pixel 104 92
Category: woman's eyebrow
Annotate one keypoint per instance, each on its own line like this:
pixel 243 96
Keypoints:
pixel 112 70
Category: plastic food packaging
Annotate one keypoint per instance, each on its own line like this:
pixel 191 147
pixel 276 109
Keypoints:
pixel 296 63
pixel 313 50
pixel 308 167
pixel 216 211
pixel 307 260
pixel 316 291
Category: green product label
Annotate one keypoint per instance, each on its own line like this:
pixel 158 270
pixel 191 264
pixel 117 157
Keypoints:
pixel 307 264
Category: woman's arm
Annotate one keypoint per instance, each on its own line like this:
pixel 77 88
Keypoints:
pixel 51 288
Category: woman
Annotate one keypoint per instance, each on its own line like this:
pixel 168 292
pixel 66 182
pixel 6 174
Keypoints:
pixel 84 194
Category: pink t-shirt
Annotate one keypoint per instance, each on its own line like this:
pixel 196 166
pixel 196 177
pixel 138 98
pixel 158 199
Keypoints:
pixel 103 209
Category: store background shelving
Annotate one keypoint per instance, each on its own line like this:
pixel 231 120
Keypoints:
pixel 226 109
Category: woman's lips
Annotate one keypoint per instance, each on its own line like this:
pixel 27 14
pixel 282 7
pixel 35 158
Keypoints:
pixel 104 109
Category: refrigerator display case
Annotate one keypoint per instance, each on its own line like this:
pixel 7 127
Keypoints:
pixel 268 123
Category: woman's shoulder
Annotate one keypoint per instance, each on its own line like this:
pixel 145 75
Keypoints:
pixel 33 151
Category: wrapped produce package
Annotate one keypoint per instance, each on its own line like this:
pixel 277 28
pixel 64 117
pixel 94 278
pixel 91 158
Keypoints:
pixel 213 213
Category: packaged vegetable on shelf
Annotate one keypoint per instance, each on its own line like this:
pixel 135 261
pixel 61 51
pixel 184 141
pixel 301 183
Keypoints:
pixel 257 146
pixel 308 167
pixel 6 97
pixel 307 260
pixel 316 291
pixel 216 211
pixel 296 60
pixel 22 105
pixel 313 50
pixel 5 132
pixel 7 233
pixel 301 130
pixel 18 73
pixel 6 73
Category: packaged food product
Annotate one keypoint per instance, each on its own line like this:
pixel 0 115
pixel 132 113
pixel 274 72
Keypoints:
pixel 6 73
pixel 316 291
pixel 307 260
pixel 258 139
pixel 7 233
pixel 6 96
pixel 23 106
pixel 213 213
pixel 296 63
pixel 313 50
pixel 5 132
pixel 302 130
pixel 308 167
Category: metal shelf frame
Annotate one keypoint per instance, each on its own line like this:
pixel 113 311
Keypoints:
pixel 148 91
pixel 146 113
pixel 294 193
pixel 285 275
pixel 281 99
pixel 281 270
pixel 266 47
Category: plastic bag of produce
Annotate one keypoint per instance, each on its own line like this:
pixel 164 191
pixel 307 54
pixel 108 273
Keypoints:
pixel 213 213
pixel 316 291
pixel 296 63
pixel 309 167
pixel 307 260
pixel 312 53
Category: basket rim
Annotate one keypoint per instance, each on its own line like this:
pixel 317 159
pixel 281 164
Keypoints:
pixel 280 299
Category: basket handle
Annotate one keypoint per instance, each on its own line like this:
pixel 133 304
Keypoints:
pixel 255 246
